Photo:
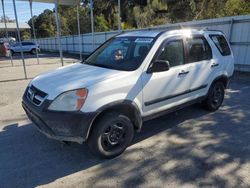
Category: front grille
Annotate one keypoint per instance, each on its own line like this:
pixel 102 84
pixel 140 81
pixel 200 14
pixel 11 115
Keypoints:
pixel 36 96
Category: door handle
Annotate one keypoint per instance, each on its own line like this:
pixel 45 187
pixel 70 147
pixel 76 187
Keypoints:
pixel 183 72
pixel 215 65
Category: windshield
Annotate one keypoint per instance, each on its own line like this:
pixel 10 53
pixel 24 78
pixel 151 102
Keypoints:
pixel 121 53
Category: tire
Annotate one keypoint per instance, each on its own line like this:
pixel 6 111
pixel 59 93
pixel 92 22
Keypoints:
pixel 12 52
pixel 111 135
pixel 33 51
pixel 215 96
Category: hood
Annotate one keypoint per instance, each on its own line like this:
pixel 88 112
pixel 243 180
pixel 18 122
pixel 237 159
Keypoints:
pixel 71 77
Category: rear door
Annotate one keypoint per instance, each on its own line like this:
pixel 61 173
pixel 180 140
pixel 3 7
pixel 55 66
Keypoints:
pixel 223 53
pixel 202 67
pixel 26 46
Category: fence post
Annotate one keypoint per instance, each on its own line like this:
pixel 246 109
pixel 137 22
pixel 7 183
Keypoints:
pixel 82 44
pixel 58 28
pixel 231 30
pixel 19 39
pixel 79 33
pixel 73 41
pixel 34 32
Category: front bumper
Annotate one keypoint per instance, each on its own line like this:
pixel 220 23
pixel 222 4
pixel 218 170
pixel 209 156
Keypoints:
pixel 62 126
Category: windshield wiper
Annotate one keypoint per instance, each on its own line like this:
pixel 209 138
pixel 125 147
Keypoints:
pixel 97 65
pixel 84 62
pixel 102 65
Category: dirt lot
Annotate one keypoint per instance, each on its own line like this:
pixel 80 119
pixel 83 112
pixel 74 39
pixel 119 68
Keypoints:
pixel 191 147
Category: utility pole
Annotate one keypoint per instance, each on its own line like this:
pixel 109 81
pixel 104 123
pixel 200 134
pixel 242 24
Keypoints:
pixel 19 39
pixel 6 32
pixel 92 23
pixel 119 15
pixel 34 32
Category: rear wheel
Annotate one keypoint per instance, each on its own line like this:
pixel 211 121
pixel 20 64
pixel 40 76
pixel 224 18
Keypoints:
pixel 33 51
pixel 111 135
pixel 12 52
pixel 215 96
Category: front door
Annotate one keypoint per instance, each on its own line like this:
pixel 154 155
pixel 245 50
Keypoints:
pixel 162 90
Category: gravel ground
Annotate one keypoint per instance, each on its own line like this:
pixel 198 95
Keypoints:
pixel 190 148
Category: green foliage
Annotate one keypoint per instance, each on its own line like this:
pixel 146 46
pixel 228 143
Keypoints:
pixel 136 14
pixel 25 35
pixel 236 7
pixel 214 9
pixel 151 14
pixel 126 25
pixel 101 24
pixel 44 24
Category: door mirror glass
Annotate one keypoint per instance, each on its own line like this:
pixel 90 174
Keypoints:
pixel 158 66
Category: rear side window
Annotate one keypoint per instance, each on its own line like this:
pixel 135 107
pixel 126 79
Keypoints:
pixel 221 43
pixel 27 43
pixel 173 53
pixel 198 49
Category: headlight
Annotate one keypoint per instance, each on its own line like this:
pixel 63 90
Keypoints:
pixel 69 101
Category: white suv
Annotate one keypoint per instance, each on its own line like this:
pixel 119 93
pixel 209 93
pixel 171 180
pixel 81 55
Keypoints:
pixel 29 47
pixel 131 78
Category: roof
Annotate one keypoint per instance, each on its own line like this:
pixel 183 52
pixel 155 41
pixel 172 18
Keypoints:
pixel 142 33
pixel 156 32
pixel 12 26
pixel 60 2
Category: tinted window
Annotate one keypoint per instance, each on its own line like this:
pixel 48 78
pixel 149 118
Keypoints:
pixel 27 43
pixel 221 43
pixel 198 49
pixel 140 47
pixel 121 53
pixel 173 53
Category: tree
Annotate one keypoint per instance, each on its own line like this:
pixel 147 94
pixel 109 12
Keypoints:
pixel 7 19
pixel 25 35
pixel 101 24
pixel 236 7
pixel 135 14
pixel 152 14
pixel 44 24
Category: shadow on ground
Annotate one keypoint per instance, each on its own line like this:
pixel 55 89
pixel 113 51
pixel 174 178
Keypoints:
pixel 190 146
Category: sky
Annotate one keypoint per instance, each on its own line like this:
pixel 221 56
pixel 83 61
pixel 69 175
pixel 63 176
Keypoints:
pixel 23 9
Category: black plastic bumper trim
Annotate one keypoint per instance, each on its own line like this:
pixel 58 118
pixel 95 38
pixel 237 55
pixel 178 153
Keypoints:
pixel 62 126
pixel 173 96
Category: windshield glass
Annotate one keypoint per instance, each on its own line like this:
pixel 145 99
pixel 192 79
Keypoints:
pixel 121 53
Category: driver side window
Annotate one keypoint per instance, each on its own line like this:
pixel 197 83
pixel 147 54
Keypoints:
pixel 172 52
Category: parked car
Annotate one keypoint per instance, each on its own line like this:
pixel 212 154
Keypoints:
pixel 131 78
pixel 29 47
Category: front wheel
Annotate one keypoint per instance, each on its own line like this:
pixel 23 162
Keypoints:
pixel 111 135
pixel 215 96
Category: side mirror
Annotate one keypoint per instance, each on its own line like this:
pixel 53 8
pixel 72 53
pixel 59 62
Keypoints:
pixel 158 66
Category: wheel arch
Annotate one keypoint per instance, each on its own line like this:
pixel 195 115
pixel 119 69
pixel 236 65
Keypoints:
pixel 126 107
pixel 223 78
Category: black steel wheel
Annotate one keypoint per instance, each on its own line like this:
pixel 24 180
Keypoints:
pixel 215 96
pixel 111 135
